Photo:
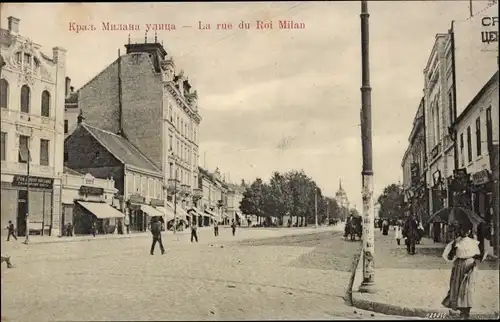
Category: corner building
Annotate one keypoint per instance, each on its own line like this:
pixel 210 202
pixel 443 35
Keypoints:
pixel 142 97
pixel 32 117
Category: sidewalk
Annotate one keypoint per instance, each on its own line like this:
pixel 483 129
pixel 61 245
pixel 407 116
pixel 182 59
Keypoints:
pixel 240 233
pixel 415 285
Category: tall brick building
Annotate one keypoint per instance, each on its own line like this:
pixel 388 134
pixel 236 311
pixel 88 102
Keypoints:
pixel 142 97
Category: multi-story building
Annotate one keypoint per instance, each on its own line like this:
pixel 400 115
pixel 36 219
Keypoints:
pixel 141 97
pixel 32 95
pixel 343 201
pixel 234 198
pixel 439 114
pixel 138 181
pixel 477 134
pixel 214 195
pixel 413 164
pixel 71 109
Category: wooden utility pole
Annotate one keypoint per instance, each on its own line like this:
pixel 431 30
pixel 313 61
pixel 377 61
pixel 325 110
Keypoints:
pixel 368 283
pixel 316 207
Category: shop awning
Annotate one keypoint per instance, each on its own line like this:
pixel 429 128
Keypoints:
pixel 101 210
pixel 239 215
pixel 152 212
pixel 209 213
pixel 179 211
pixel 224 215
pixel 195 210
pixel 168 213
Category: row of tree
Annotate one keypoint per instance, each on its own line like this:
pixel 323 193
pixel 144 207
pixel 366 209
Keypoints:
pixel 391 202
pixel 290 194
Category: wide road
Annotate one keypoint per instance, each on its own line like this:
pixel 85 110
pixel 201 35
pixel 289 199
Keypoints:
pixel 291 277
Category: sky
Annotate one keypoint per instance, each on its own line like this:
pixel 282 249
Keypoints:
pixel 273 100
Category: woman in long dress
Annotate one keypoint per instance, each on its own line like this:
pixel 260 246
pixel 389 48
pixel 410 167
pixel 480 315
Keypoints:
pixel 464 252
pixel 398 232
pixel 385 227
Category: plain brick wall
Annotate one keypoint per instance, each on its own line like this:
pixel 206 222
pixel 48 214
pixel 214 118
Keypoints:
pixel 98 100
pixel 142 106
pixel 142 96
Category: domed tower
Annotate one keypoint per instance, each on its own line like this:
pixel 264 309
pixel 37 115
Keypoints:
pixel 342 200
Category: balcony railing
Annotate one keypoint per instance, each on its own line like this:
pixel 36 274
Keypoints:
pixel 173 186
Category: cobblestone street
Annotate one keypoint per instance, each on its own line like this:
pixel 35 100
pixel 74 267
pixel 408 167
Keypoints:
pixel 291 277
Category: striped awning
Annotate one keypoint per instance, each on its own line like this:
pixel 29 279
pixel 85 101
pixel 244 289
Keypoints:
pixel 151 211
pixel 101 210
pixel 195 211
pixel 239 215
pixel 209 213
pixel 168 213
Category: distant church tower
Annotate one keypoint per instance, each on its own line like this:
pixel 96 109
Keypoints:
pixel 341 198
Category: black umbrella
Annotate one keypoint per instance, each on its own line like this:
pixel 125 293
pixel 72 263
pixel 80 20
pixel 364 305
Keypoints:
pixel 462 216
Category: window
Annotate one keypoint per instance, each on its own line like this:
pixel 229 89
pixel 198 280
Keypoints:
pixel 462 149
pixel 489 128
pixel 171 113
pixel 46 104
pixel 450 106
pixel 27 59
pixel 194 139
pixel 25 99
pixel 171 139
pixel 171 171
pixel 24 154
pixel 469 145
pixel 4 92
pixel 66 156
pixel 177 124
pixel 19 58
pixel 66 127
pixel 44 152
pixel 186 129
pixel 478 136
pixel 151 189
pixel 182 127
pixel 438 125
pixel 3 146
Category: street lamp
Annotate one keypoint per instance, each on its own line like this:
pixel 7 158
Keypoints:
pixel 368 283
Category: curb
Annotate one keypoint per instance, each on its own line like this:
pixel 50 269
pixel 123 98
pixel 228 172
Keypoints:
pixel 389 309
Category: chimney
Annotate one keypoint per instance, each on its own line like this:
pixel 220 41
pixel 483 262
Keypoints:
pixel 71 89
pixel 13 25
pixel 68 86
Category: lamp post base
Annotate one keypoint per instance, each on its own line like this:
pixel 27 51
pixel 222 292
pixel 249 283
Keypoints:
pixel 367 287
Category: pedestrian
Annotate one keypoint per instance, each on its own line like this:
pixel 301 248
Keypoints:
pixel 127 220
pixel 385 227
pixel 194 231
pixel 70 230
pixel 436 227
pixel 216 228
pixel 420 229
pixel 463 252
pixel 11 231
pixel 398 233
pixel 26 241
pixel 7 260
pixel 94 227
pixel 156 232
pixel 233 227
pixel 410 233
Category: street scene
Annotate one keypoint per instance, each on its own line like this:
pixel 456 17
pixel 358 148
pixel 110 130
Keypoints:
pixel 253 161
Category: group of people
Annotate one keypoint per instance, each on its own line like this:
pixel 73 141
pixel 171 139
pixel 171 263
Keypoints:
pixel 411 230
pixel 156 228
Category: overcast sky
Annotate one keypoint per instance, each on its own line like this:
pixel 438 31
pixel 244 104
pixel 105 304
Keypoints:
pixel 274 100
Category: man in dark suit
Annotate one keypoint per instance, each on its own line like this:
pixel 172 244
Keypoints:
pixel 410 233
pixel 156 232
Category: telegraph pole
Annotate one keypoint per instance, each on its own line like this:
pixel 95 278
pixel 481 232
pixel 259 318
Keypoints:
pixel 316 207
pixel 367 286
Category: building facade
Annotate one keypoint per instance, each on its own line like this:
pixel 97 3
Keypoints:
pixel 103 154
pixel 477 132
pixel 214 200
pixel 32 138
pixel 414 170
pixel 234 198
pixel 439 111
pixel 142 97
pixel 71 109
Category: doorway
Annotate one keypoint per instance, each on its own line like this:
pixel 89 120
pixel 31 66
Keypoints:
pixel 22 208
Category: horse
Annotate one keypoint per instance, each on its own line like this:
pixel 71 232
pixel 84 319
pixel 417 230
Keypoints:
pixel 352 228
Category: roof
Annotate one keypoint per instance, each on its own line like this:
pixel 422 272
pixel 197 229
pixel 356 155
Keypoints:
pixel 121 149
pixel 476 98
pixel 71 171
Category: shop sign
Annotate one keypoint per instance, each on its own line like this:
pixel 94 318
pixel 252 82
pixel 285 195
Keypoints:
pixel 34 182
pixel 95 191
pixel 136 198
pixel 481 177
pixel 157 203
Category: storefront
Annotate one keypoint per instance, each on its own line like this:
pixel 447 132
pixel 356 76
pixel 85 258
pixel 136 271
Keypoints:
pixel 16 201
pixel 482 194
pixel 209 216
pixel 138 218
pixel 87 212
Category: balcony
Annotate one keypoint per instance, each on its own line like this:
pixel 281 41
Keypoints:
pixel 197 194
pixel 173 186
pixel 185 190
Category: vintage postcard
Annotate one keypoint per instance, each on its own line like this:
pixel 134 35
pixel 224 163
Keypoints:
pixel 275 160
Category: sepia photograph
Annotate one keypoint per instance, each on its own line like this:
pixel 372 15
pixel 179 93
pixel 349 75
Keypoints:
pixel 273 160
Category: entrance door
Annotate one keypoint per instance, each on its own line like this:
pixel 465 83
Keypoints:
pixel 22 207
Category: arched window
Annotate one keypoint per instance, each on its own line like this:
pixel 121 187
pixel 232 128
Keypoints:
pixel 25 99
pixel 45 104
pixel 4 93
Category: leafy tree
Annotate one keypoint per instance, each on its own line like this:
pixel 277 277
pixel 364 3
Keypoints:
pixel 333 208
pixel 391 202
pixel 253 202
